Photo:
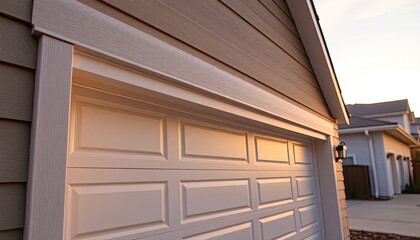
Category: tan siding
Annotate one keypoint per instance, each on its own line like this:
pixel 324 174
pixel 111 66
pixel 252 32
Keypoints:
pixel 345 222
pixel 340 176
pixel 346 233
pixel 12 197
pixel 18 55
pixel 343 204
pixel 17 46
pixel 343 213
pixel 341 194
pixel 16 92
pixel 280 14
pixel 11 234
pixel 260 18
pixel 339 167
pixel 229 38
pixel 14 150
pixel 19 9
pixel 283 6
pixel 341 190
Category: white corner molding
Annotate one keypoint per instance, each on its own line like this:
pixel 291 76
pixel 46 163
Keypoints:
pixel 313 41
pixel 48 154
pixel 329 189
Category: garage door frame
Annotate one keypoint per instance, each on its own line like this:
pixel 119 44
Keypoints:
pixel 49 143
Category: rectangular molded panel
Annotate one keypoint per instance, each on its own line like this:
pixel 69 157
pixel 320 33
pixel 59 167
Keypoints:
pixel 302 154
pixel 206 198
pixel 308 215
pixel 278 226
pixel 213 143
pixel 241 231
pixel 274 191
pixel 270 150
pixel 305 187
pixel 110 129
pixel 94 208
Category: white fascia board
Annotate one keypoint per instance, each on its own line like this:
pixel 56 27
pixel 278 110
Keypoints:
pixel 313 41
pixel 373 128
pixel 413 141
pixel 394 129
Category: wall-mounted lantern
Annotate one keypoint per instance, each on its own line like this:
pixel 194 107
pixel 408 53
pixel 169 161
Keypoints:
pixel 340 151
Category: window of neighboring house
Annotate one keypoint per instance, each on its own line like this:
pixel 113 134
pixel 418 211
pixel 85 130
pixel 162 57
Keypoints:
pixel 350 160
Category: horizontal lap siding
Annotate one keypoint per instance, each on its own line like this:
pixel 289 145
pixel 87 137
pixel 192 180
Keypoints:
pixel 341 191
pixel 18 54
pixel 14 151
pixel 11 234
pixel 258 39
pixel 16 92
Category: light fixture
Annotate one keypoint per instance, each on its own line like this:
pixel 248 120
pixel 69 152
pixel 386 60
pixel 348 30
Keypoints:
pixel 340 151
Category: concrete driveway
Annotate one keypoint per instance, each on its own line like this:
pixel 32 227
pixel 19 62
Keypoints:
pixel 400 215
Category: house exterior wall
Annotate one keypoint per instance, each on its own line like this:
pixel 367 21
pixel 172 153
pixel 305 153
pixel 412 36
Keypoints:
pixel 381 167
pixel 403 120
pixel 398 148
pixel 407 123
pixel 18 57
pixel 238 30
pixel 415 130
pixel 358 145
pixel 341 190
pixel 383 144
pixel 263 33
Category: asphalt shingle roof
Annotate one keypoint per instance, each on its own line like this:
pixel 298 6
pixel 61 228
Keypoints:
pixel 378 108
pixel 356 122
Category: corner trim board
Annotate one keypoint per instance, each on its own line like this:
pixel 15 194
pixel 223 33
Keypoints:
pixel 48 153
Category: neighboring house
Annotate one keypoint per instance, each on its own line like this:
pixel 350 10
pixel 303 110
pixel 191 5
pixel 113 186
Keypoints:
pixel 415 128
pixel 168 120
pixel 379 137
pixel 415 152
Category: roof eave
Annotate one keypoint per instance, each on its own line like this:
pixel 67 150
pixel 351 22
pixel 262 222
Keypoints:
pixel 311 35
pixel 410 139
pixel 387 114
pixel 396 130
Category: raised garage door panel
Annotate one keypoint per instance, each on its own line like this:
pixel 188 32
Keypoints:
pixel 143 171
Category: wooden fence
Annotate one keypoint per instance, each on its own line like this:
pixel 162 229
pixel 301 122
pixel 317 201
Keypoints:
pixel 356 180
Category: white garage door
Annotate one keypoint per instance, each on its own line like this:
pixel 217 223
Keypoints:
pixel 142 171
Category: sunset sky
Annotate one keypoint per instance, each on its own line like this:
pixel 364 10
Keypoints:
pixel 375 48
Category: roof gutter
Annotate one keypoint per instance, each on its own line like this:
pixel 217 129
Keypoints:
pixel 370 128
pixel 401 130
pixel 389 127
